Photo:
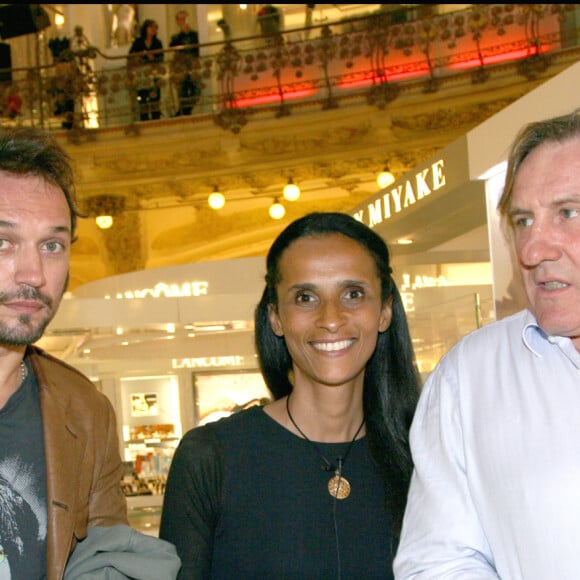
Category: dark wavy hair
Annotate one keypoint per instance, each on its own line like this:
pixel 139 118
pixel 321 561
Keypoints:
pixel 391 381
pixel 146 24
pixel 30 151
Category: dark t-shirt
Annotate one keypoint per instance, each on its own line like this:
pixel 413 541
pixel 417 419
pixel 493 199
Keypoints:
pixel 140 46
pixel 183 38
pixel 23 516
pixel 275 518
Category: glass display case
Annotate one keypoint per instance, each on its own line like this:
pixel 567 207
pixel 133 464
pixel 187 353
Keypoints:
pixel 151 430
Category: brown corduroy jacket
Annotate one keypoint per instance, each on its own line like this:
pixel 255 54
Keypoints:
pixel 83 465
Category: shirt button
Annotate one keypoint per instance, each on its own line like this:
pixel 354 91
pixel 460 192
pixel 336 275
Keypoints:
pixel 552 339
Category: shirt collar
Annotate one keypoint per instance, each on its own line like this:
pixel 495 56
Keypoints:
pixel 539 342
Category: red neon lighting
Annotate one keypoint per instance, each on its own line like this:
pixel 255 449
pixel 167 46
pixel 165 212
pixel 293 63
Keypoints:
pixel 494 59
pixel 369 81
pixel 473 63
pixel 269 99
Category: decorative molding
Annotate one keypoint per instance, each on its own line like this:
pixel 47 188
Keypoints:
pixel 446 119
pixel 124 245
pixel 333 155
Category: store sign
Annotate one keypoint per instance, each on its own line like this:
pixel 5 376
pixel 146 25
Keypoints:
pixel 208 362
pixel 419 281
pixel 404 195
pixel 410 284
pixel 187 289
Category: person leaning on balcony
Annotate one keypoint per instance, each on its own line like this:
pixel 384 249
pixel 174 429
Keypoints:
pixel 496 439
pixel 146 50
pixel 314 484
pixel 188 89
pixel 60 468
pixel 66 83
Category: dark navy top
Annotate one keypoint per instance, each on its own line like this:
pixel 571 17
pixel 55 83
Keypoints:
pixel 247 498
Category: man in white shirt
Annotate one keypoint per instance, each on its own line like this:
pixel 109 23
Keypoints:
pixel 496 437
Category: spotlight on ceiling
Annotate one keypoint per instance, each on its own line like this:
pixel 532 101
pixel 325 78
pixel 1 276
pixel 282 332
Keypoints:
pixel 216 199
pixel 104 222
pixel 103 208
pixel 385 178
pixel 277 211
pixel 291 191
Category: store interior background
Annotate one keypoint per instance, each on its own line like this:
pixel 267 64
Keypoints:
pixel 159 312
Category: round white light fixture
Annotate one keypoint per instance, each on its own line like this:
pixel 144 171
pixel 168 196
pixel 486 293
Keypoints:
pixel 277 211
pixel 291 191
pixel 385 178
pixel 103 208
pixel 104 221
pixel 216 199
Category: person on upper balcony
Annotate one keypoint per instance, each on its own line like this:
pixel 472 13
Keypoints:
pixel 147 49
pixel 183 61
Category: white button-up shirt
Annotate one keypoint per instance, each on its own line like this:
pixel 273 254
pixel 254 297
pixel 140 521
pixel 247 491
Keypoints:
pixel 496 445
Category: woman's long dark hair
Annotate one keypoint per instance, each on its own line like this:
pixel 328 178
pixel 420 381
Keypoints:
pixel 391 382
pixel 146 24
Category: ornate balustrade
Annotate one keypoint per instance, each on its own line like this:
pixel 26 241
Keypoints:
pixel 372 58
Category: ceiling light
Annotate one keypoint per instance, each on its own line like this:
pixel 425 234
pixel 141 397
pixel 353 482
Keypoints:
pixel 385 178
pixel 291 191
pixel 216 199
pixel 103 207
pixel 104 221
pixel 277 211
pixel 404 241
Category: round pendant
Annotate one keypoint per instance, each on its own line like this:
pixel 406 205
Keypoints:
pixel 339 487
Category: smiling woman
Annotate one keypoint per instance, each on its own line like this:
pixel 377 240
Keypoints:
pixel 329 311
pixel 295 485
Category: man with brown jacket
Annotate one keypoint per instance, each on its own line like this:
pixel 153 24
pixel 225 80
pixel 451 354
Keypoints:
pixel 60 467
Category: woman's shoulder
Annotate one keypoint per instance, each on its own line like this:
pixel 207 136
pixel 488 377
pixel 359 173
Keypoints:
pixel 210 434
pixel 137 45
pixel 241 421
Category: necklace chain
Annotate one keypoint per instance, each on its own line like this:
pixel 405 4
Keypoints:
pixel 327 465
pixel 23 371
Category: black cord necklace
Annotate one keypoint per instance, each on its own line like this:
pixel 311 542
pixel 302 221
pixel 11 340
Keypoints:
pixel 338 485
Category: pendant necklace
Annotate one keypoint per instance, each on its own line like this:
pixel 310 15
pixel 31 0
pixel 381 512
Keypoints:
pixel 338 485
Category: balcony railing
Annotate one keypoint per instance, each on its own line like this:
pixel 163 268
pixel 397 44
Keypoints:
pixel 373 58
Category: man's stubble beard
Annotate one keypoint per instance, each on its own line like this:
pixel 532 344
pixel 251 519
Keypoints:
pixel 25 334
